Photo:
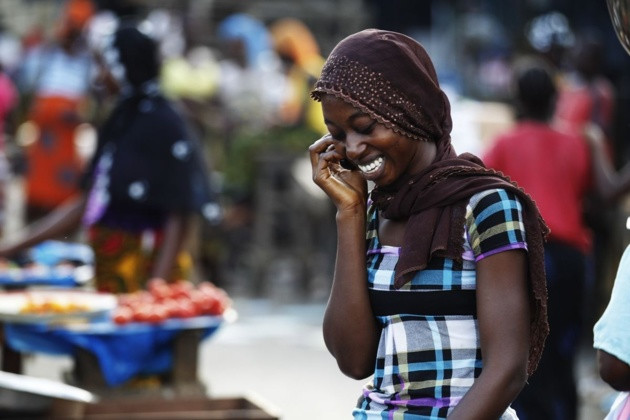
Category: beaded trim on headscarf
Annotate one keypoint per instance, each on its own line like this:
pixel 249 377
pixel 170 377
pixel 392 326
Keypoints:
pixel 373 94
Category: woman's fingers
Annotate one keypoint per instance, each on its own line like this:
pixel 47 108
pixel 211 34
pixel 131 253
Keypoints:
pixel 344 187
pixel 323 154
pixel 320 147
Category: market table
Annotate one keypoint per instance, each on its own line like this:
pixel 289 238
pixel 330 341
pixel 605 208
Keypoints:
pixel 47 264
pixel 108 355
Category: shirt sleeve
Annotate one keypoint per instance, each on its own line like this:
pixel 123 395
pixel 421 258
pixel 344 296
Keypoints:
pixel 610 332
pixel 494 223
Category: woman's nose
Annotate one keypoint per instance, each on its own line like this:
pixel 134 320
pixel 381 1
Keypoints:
pixel 354 146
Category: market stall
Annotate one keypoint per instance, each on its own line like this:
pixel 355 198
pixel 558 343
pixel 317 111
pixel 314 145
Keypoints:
pixel 82 324
pixel 116 341
pixel 127 335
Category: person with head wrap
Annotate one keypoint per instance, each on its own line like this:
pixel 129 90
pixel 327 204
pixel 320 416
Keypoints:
pixel 54 81
pixel 439 285
pixel 145 182
pixel 298 49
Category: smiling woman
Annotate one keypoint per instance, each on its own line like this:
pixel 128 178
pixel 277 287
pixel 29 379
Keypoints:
pixel 429 259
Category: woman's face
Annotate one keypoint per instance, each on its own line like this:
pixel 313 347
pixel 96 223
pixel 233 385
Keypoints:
pixel 381 154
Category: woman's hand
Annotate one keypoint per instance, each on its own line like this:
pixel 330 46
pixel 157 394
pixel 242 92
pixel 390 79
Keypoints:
pixel 346 188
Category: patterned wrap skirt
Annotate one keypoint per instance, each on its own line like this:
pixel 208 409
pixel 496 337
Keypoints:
pixel 124 260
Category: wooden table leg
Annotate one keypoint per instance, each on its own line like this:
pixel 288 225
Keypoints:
pixel 186 362
pixel 11 359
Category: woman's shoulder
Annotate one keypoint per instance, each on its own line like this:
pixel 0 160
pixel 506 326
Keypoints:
pixel 494 207
pixel 159 114
pixel 492 197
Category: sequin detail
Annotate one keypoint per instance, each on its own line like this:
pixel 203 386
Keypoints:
pixel 369 91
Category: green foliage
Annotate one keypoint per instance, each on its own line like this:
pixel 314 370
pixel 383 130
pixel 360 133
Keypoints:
pixel 240 166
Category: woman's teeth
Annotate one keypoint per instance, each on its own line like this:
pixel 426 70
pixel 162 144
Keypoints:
pixel 372 166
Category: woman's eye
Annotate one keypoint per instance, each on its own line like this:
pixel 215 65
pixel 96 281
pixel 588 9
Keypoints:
pixel 366 129
pixel 337 136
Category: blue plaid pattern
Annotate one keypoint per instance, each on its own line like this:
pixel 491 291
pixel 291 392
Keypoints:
pixel 425 364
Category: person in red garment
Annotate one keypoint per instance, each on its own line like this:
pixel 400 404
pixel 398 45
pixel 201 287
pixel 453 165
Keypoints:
pixel 57 75
pixel 555 168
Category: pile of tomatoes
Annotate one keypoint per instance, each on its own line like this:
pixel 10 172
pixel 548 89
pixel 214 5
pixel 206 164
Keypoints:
pixel 163 300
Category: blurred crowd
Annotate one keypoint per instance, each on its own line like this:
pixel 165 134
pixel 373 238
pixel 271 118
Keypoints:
pixel 245 93
pixel 244 89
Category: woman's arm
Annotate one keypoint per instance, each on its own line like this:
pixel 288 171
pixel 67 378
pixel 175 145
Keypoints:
pixel 350 329
pixel 175 234
pixel 503 314
pixel 57 223
pixel 609 183
pixel 613 371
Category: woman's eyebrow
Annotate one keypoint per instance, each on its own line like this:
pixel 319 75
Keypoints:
pixel 358 114
pixel 354 116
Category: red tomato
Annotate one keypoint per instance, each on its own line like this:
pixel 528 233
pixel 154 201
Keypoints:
pixel 171 306
pixel 186 308
pixel 181 288
pixel 199 299
pixel 122 315
pixel 158 288
pixel 206 286
pixel 218 307
pixel 157 313
pixel 160 292
pixel 142 312
pixel 212 305
pixel 141 296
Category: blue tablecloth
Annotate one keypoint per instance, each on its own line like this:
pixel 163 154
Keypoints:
pixel 123 351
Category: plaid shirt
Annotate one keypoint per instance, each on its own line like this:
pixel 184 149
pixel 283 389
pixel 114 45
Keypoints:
pixel 426 362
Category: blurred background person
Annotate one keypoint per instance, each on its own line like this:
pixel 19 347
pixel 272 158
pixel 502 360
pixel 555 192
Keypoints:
pixel 146 181
pixel 586 96
pixel 54 82
pixel 8 101
pixel 554 167
pixel 302 62
pixel 11 360
pixel 252 86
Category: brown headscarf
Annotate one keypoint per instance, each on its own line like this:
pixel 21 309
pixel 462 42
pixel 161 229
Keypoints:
pixel 391 77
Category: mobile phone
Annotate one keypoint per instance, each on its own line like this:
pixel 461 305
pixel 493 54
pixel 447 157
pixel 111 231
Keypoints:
pixel 347 164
